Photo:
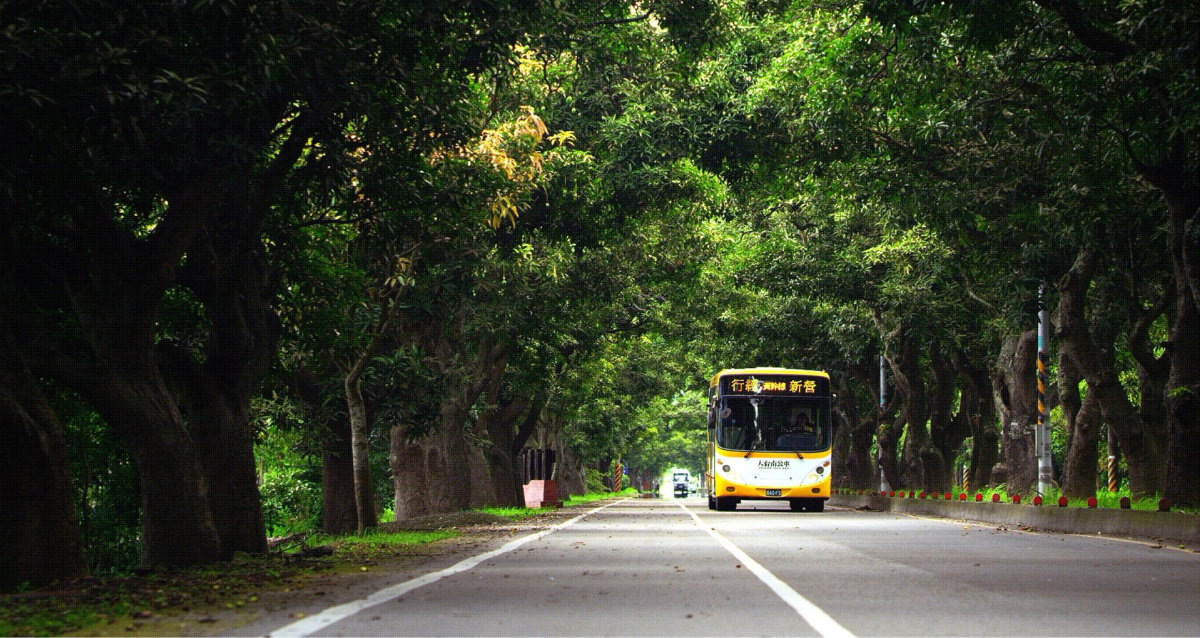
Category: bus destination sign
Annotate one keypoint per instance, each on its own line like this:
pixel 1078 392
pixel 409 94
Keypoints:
pixel 775 385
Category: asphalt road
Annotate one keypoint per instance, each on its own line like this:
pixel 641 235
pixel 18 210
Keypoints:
pixel 653 567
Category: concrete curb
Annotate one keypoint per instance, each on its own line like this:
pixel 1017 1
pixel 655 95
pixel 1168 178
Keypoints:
pixel 1072 520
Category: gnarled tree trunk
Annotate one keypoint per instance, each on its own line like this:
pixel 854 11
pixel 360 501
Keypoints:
pixel 339 511
pixel 947 429
pixel 339 514
pixel 42 542
pixel 980 410
pixel 177 524
pixel 1182 192
pixel 228 270
pixel 1096 361
pixel 920 461
pixel 508 431
pixel 1014 388
pixel 1084 418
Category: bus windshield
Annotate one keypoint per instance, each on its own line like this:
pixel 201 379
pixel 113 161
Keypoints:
pixel 774 424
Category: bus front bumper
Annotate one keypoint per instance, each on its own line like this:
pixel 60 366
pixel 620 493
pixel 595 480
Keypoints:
pixel 724 487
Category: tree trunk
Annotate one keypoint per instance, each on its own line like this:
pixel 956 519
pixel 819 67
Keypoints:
pixel 360 441
pixel 339 513
pixel 177 524
pixel 860 470
pixel 1095 360
pixel 1014 387
pixel 887 440
pixel 508 439
pixel 920 461
pixel 339 509
pixel 1182 399
pixel 1079 475
pixel 409 476
pixel 980 409
pixel 1083 427
pixel 42 544
pixel 225 444
pixel 852 445
pixel 228 270
pixel 440 472
pixel 569 471
pixel 947 430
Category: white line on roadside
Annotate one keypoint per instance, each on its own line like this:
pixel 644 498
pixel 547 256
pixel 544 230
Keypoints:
pixel 816 617
pixel 313 624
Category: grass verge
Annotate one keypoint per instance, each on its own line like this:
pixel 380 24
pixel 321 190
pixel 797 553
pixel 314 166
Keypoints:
pixel 123 603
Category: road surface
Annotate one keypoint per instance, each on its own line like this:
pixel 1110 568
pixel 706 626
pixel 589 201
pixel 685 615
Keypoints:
pixel 671 567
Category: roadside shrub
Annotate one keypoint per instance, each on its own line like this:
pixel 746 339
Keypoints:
pixel 595 481
pixel 291 502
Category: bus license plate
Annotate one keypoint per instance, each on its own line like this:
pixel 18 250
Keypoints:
pixel 774 492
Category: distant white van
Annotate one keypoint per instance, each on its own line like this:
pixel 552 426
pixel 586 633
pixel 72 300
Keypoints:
pixel 682 480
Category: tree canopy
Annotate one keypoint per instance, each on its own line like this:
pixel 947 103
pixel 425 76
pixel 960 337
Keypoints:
pixel 390 240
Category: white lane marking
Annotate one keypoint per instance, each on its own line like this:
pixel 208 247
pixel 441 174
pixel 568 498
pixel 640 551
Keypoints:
pixel 313 624
pixel 816 617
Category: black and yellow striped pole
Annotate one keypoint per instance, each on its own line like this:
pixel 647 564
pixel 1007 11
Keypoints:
pixel 1112 462
pixel 1042 434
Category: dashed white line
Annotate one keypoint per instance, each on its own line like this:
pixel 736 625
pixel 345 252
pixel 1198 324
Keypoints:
pixel 816 617
pixel 313 624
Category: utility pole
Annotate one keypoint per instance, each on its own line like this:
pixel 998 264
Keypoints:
pixel 1041 436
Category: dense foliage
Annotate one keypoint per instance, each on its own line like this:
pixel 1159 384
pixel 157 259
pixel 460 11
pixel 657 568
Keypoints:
pixel 290 265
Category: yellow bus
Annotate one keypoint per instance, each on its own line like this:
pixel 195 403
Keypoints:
pixel 769 438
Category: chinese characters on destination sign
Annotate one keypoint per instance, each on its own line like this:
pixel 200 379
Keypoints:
pixel 795 386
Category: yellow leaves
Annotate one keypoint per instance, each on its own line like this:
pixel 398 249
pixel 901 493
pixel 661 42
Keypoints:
pixel 532 123
pixel 502 208
pixel 504 164
pixel 400 276
pixel 562 138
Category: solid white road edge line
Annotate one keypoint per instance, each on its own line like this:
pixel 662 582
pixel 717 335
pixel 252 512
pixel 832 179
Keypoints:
pixel 816 617
pixel 312 624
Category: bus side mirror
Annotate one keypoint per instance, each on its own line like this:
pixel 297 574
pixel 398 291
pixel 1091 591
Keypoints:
pixel 833 398
pixel 712 418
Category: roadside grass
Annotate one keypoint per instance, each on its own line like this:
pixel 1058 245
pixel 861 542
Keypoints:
pixel 123 603
pixel 378 538
pixel 592 497
pixel 514 513
pixel 520 513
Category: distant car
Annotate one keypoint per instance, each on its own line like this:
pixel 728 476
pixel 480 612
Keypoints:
pixel 681 484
